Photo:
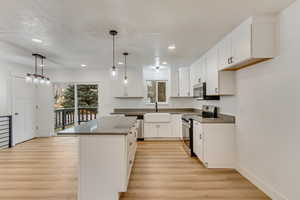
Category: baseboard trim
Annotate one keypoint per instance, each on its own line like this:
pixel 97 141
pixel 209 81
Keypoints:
pixel 267 189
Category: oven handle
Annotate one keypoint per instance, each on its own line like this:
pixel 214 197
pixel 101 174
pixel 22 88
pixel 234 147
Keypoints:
pixel 186 124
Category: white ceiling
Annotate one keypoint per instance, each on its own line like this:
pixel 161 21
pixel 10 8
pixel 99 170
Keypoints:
pixel 76 31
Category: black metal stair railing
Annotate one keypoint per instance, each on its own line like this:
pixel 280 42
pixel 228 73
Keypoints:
pixel 5 132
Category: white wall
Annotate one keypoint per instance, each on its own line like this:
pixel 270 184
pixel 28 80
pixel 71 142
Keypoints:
pixel 110 88
pixel 267 110
pixel 268 125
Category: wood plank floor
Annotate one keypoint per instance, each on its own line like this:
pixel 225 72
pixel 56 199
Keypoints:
pixel 45 169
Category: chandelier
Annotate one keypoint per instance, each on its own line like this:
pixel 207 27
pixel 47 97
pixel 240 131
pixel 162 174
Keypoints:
pixel 36 77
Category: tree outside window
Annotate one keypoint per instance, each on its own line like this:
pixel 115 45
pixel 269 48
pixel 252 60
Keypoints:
pixel 156 91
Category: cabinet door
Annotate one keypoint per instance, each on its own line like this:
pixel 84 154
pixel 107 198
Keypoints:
pixel 176 126
pixel 184 81
pixel 212 72
pixel 242 42
pixel 164 130
pixel 195 139
pixel 202 72
pixel 224 53
pixel 150 130
pixel 198 140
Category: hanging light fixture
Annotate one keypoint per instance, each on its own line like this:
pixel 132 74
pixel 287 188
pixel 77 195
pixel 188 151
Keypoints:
pixel 113 33
pixel 125 68
pixel 35 77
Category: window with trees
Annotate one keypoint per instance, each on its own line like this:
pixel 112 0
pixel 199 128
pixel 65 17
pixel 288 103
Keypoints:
pixel 74 103
pixel 156 91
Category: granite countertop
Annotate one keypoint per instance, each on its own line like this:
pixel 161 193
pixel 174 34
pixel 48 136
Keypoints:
pixel 142 111
pixel 222 119
pixel 110 125
pixel 190 113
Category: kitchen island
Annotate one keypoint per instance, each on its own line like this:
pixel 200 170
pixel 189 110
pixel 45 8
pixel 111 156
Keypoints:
pixel 107 149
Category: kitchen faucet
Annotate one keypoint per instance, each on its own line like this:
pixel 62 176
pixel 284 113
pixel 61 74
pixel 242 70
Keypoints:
pixel 156 106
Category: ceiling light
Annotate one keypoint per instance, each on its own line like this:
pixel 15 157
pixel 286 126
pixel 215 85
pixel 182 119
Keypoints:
pixel 172 47
pixel 37 78
pixel 120 63
pixel 83 65
pixel 113 33
pixel 125 70
pixel 164 63
pixel 37 40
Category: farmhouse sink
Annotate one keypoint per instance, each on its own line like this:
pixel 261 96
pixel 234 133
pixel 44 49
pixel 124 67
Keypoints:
pixel 157 118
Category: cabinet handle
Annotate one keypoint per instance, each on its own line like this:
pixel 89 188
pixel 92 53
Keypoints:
pixel 200 137
pixel 216 90
pixel 130 143
pixel 130 162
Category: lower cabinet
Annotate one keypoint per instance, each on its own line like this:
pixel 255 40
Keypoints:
pixel 214 144
pixel 176 126
pixel 157 130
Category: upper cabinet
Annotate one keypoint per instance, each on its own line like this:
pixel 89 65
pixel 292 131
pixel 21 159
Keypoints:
pixel 184 82
pixel 212 77
pixel 251 42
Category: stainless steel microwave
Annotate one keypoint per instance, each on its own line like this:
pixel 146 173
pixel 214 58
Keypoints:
pixel 200 93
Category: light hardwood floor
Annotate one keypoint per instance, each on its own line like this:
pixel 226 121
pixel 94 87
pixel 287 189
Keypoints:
pixel 45 169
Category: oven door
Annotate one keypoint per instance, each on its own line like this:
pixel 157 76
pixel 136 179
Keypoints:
pixel 186 132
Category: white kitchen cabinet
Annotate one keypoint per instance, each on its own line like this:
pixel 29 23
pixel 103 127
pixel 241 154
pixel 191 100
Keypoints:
pixel 217 82
pixel 164 130
pixel 251 42
pixel 150 130
pixel 212 77
pixel 241 42
pixel 214 144
pixel 224 52
pixel 176 126
pixel 184 82
pixel 198 143
pixel 157 130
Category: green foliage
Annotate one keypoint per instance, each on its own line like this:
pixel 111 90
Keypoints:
pixel 87 96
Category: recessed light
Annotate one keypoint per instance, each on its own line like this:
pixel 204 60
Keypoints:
pixel 83 65
pixel 37 40
pixel 120 63
pixel 164 63
pixel 172 47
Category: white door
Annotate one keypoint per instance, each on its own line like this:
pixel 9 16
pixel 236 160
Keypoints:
pixel 24 110
pixel 242 42
pixel 212 72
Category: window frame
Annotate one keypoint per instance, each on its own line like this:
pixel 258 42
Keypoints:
pixel 156 89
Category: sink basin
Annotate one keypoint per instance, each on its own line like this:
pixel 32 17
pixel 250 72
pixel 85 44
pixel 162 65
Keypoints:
pixel 157 118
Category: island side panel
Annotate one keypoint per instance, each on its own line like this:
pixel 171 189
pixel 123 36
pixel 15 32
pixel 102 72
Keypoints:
pixel 102 164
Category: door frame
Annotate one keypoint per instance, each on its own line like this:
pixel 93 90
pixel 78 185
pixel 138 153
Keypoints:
pixel 75 83
pixel 11 99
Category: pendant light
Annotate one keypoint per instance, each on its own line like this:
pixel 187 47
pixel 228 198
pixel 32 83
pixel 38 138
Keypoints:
pixel 113 33
pixel 125 68
pixel 38 78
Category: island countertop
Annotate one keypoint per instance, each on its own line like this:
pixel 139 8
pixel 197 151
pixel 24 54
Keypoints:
pixel 110 125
